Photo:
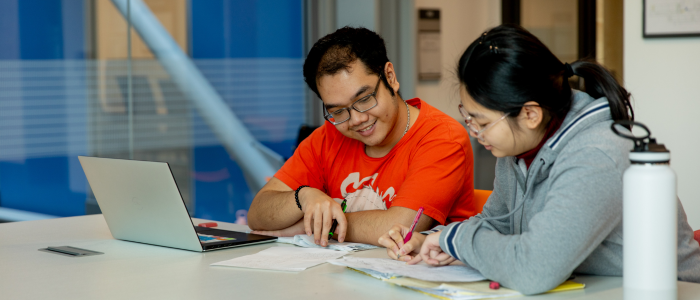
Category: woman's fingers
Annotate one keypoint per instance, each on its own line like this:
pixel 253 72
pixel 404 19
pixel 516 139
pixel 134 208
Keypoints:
pixel 390 253
pixel 434 253
pixel 429 248
pixel 416 259
pixel 425 254
pixel 439 258
pixel 395 234
pixel 409 247
pixel 444 258
pixel 387 242
pixel 393 240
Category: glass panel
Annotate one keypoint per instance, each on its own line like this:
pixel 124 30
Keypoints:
pixel 43 105
pixel 161 125
pixel 64 73
pixel 555 23
pixel 251 52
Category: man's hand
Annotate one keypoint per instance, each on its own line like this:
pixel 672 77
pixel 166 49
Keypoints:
pixel 431 252
pixel 319 212
pixel 275 212
pixel 293 230
pixel 395 248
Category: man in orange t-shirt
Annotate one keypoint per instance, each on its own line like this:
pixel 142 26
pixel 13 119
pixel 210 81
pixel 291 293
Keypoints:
pixel 387 157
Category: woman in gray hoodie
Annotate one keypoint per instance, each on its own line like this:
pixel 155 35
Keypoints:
pixel 556 207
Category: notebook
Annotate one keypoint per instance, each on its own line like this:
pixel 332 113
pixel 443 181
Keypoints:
pixel 448 282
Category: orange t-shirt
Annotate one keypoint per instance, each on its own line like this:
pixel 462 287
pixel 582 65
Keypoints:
pixel 431 166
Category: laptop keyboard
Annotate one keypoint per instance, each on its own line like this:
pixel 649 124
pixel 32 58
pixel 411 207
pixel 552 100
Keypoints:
pixel 207 238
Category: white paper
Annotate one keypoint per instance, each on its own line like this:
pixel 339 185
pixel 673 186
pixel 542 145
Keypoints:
pixel 283 259
pixel 460 293
pixel 420 271
pixel 306 241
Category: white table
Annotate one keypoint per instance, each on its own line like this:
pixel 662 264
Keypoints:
pixel 136 271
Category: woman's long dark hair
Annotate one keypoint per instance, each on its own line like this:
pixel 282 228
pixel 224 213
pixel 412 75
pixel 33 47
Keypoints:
pixel 508 66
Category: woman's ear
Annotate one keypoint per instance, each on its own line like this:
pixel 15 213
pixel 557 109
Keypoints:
pixel 533 115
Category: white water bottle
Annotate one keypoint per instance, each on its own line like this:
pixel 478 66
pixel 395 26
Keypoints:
pixel 650 225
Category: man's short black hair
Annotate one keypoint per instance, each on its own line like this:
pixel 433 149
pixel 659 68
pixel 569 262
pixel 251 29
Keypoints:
pixel 336 51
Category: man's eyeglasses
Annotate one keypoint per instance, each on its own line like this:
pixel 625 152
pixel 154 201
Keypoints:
pixel 337 116
pixel 475 129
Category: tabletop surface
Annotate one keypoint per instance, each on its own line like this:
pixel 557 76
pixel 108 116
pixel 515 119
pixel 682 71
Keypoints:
pixel 130 270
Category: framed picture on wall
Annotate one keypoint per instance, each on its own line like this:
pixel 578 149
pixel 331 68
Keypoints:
pixel 671 18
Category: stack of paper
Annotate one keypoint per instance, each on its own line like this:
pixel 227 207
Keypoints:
pixel 283 259
pixel 306 241
pixel 447 282
pixel 384 268
pixel 470 290
pixel 461 290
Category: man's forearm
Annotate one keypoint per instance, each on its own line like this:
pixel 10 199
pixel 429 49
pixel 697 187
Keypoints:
pixel 367 226
pixel 273 210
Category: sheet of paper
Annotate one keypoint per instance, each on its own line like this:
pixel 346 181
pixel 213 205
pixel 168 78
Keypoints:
pixel 306 241
pixel 283 259
pixel 464 296
pixel 419 271
pixel 475 288
pixel 469 290
pixel 460 290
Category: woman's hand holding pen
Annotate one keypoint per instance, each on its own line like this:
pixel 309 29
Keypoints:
pixel 395 248
pixel 319 212
pixel 431 253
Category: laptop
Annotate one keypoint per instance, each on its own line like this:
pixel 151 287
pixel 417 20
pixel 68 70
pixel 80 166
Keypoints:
pixel 141 203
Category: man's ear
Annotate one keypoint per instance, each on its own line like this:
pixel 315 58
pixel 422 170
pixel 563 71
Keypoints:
pixel 533 114
pixel 390 75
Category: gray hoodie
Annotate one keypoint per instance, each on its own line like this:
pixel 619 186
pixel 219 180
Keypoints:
pixel 563 215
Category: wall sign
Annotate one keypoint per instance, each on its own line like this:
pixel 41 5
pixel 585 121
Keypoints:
pixel 429 58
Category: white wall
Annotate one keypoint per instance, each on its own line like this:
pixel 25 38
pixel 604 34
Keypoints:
pixel 663 75
pixel 461 22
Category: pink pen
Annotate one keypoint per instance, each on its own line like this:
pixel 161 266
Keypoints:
pixel 413 226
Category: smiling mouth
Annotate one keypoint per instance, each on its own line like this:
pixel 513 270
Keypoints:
pixel 368 127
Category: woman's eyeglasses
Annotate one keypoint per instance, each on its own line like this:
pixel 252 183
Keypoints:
pixel 475 129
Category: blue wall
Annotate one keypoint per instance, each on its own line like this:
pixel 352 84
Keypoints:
pixel 42 30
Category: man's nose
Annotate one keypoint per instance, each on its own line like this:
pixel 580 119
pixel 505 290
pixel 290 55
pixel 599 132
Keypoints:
pixel 357 118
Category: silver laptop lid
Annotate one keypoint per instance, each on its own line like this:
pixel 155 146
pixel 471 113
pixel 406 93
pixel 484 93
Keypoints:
pixel 141 202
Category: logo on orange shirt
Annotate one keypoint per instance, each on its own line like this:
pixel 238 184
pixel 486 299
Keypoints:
pixel 362 195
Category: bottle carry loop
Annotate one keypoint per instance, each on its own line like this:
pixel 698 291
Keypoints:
pixel 646 150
